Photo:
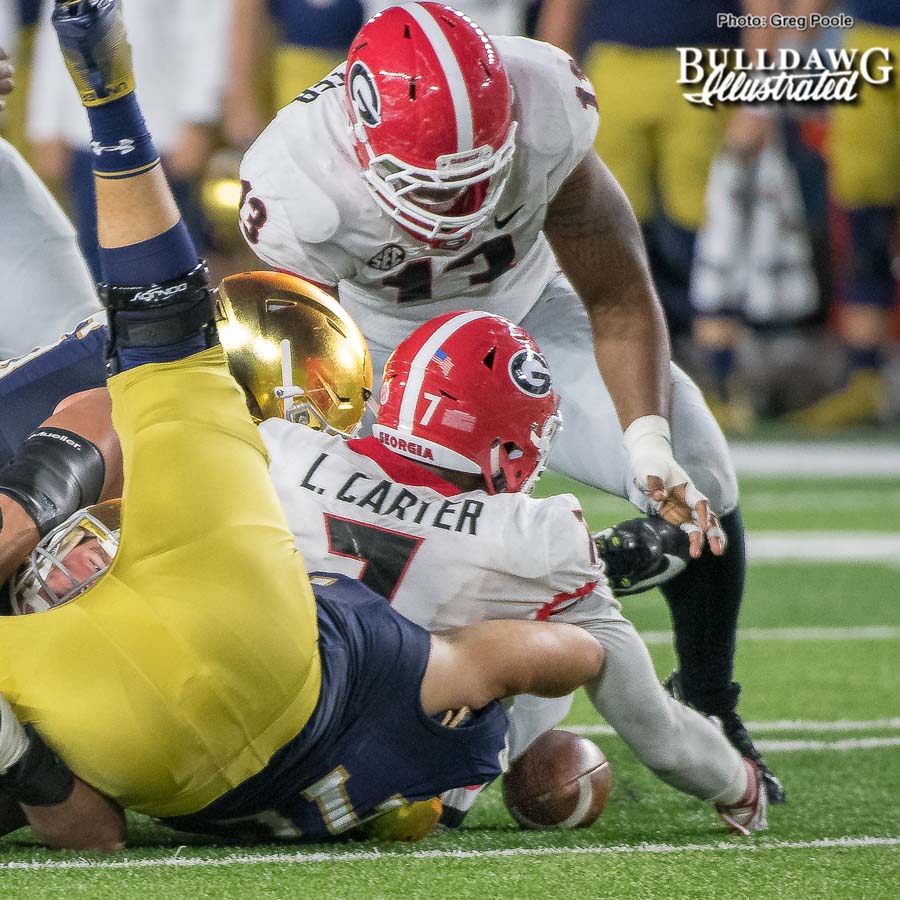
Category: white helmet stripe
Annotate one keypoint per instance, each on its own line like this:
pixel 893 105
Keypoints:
pixel 406 419
pixel 462 108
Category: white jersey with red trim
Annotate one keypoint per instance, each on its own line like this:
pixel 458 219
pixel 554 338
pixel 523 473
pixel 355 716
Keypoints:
pixel 443 558
pixel 306 208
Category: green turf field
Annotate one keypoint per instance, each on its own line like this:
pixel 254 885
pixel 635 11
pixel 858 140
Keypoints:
pixel 819 658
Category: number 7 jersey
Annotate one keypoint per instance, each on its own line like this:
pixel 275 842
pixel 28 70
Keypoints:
pixel 441 557
pixel 307 210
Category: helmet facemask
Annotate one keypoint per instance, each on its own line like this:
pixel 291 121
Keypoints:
pixel 46 581
pixel 472 181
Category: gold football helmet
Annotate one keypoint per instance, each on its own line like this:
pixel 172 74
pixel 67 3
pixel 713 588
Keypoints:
pixel 294 350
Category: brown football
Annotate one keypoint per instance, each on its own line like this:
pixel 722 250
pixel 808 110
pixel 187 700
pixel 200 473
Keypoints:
pixel 561 781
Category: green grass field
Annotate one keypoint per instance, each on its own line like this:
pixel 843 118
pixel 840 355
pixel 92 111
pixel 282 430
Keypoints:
pixel 819 659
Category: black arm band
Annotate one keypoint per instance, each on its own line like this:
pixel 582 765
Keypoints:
pixel 40 777
pixel 161 314
pixel 53 474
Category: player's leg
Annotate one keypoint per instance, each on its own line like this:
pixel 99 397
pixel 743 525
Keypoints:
pixel 47 286
pixel 705 599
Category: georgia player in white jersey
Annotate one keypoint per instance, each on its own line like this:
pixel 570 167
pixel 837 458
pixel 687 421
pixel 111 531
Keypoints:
pixel 433 512
pixel 440 169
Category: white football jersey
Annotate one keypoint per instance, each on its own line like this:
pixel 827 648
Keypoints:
pixel 307 210
pixel 443 558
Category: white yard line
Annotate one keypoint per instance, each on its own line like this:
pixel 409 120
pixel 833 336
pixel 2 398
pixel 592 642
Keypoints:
pixel 783 746
pixel 816 459
pixel 809 725
pixel 823 546
pixel 244 859
pixel 859 633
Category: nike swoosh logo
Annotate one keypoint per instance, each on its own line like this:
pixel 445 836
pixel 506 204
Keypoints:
pixel 502 223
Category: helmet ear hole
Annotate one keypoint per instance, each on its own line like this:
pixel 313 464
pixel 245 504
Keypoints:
pixel 489 359
pixel 513 451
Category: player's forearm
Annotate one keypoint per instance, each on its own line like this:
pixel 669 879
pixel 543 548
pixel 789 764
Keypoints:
pixel 558 23
pixel 86 821
pixel 18 536
pixel 598 243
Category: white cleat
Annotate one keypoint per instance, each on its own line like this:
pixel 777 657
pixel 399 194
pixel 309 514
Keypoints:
pixel 749 813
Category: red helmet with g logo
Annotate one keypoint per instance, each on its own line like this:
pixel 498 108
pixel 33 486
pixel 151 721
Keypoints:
pixel 430 105
pixel 470 392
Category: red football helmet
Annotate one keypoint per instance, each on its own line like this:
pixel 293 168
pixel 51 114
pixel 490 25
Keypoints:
pixel 431 110
pixel 470 392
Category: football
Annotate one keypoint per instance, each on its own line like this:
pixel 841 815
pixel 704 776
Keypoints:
pixel 561 781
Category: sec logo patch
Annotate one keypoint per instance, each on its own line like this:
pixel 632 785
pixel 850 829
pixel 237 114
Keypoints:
pixel 530 373
pixel 388 257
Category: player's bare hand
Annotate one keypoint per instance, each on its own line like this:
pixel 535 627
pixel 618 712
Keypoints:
pixel 7 72
pixel 684 506
pixel 648 443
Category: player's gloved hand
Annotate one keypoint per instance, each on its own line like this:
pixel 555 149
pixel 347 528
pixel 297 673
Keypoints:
pixel 6 76
pixel 95 47
pixel 648 443
pixel 642 553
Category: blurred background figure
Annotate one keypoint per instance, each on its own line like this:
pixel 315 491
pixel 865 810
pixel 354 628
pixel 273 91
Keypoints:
pixel 278 49
pixel 494 16
pixel 180 58
pixel 658 146
pixel 864 177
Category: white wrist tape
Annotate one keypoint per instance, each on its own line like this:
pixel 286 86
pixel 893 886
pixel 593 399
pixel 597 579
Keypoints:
pixel 648 437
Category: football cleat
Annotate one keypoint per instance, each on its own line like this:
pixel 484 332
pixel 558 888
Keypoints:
pixel 13 737
pixel 457 804
pixel 749 813
pixel 642 553
pixel 733 728
pixel 95 47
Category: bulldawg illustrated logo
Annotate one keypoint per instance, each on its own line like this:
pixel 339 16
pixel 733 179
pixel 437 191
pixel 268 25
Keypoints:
pixel 726 75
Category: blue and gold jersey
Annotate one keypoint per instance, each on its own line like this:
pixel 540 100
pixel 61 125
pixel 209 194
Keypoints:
pixel 369 746
pixel 32 385
pixel 194 658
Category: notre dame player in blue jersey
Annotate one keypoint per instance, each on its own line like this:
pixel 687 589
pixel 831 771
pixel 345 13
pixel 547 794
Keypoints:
pixel 199 677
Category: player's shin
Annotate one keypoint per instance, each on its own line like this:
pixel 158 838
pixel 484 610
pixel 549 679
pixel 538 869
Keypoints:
pixel 158 299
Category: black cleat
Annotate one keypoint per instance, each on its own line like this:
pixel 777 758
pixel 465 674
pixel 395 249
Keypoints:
pixel 733 729
pixel 642 553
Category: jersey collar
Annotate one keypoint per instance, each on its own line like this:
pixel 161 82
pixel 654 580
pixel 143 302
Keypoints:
pixel 400 469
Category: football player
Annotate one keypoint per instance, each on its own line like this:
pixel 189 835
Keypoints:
pixel 440 169
pixel 200 678
pixel 467 420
